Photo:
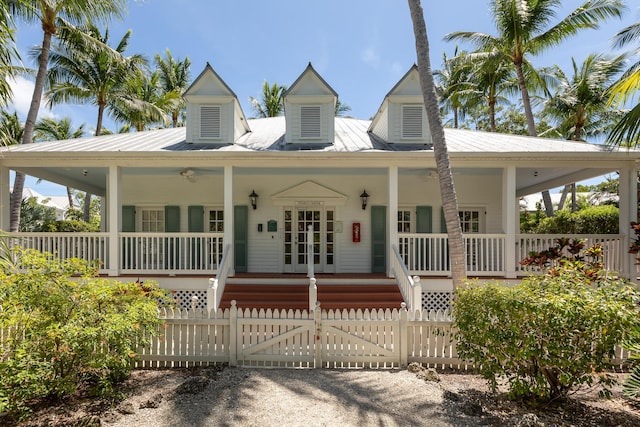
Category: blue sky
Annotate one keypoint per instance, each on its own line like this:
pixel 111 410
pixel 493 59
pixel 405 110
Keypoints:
pixel 360 47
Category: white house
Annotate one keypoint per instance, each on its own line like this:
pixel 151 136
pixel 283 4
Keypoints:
pixel 227 196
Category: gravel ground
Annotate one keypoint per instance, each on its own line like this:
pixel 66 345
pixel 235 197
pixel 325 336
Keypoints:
pixel 322 397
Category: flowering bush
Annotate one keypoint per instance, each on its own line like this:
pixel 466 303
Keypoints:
pixel 67 327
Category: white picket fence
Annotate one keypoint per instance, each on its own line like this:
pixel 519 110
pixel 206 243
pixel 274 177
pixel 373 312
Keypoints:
pixel 302 339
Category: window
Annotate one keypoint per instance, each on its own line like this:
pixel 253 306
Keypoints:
pixel 216 221
pixel 412 121
pixel 404 221
pixel 210 121
pixel 152 220
pixel 470 221
pixel 310 121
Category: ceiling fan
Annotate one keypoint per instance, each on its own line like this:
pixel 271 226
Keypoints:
pixel 189 174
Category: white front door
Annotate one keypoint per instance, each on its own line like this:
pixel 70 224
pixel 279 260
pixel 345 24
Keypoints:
pixel 296 245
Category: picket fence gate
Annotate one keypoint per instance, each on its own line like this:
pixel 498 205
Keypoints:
pixel 302 339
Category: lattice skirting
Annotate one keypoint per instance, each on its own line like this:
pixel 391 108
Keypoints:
pixel 436 300
pixel 183 298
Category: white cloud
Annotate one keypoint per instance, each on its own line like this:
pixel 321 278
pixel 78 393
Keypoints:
pixel 22 90
pixel 370 56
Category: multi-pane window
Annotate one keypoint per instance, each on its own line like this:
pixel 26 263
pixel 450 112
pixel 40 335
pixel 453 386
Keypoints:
pixel 216 221
pixel 470 221
pixel 404 221
pixel 152 220
pixel 330 235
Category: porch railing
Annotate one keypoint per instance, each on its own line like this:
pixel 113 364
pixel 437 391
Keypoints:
pixel 410 287
pixel 217 284
pixel 428 254
pixel 170 252
pixel 611 247
pixel 87 246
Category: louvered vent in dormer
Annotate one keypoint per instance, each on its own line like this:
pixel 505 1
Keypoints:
pixel 310 121
pixel 210 121
pixel 412 121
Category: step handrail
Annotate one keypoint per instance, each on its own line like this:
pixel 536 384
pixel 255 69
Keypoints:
pixel 410 287
pixel 217 284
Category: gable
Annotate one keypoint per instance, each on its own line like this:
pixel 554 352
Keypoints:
pixel 402 118
pixel 308 191
pixel 309 106
pixel 214 114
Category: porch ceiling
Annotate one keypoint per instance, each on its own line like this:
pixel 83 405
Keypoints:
pixel 529 180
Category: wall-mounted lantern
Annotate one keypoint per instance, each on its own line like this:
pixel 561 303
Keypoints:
pixel 253 197
pixel 364 198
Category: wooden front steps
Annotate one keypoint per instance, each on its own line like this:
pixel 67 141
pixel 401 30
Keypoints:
pixel 354 294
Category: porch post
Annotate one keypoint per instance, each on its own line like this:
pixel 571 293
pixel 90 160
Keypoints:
pixel 509 216
pixel 628 213
pixel 5 196
pixel 228 217
pixel 392 215
pixel 114 218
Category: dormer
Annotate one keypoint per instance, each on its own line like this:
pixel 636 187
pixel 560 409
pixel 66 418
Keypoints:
pixel 309 109
pixel 402 118
pixel 214 115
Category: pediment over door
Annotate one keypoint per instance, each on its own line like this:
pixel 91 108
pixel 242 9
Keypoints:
pixel 308 191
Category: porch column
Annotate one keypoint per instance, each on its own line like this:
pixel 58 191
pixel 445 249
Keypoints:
pixel 114 218
pixel 5 198
pixel 509 216
pixel 392 215
pixel 628 213
pixel 228 216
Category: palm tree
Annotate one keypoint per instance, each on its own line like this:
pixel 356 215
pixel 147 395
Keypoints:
pixel 8 53
pixel 492 79
pixel 447 189
pixel 91 73
pixel 341 108
pixel 454 88
pixel 579 107
pixel 175 77
pixel 145 101
pixel 627 130
pixel 51 14
pixel 49 129
pixel 11 133
pixel 525 28
pixel 272 102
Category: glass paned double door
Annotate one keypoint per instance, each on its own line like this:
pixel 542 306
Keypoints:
pixel 297 222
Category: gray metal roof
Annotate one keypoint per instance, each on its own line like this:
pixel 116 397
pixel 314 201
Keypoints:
pixel 267 135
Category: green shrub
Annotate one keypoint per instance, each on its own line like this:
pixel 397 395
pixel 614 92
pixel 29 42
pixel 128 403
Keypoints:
pixel 68 328
pixel 549 334
pixel 601 219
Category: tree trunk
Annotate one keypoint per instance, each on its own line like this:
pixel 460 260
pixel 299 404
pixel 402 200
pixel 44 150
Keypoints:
pixel 70 198
pixel 86 216
pixel 447 189
pixel 29 125
pixel 492 115
pixel 531 127
pixel 455 118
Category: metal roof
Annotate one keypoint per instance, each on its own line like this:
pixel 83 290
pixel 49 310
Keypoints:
pixel 267 135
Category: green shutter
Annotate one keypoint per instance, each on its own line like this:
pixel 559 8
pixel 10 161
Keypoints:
pixel 196 225
pixel 241 238
pixel 128 225
pixel 196 219
pixel 378 239
pixel 424 219
pixel 172 225
pixel 172 219
pixel 128 219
